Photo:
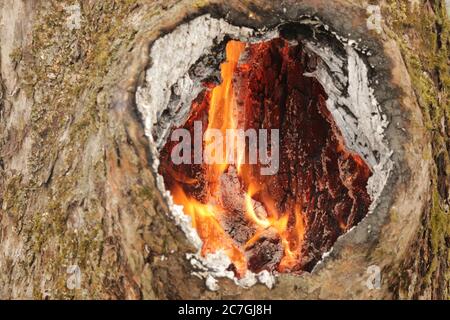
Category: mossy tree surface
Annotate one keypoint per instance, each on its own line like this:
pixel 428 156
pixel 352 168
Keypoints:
pixel 62 206
pixel 422 30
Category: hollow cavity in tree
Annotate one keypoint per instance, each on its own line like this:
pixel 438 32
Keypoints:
pixel 175 83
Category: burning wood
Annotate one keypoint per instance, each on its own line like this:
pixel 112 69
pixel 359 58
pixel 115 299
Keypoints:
pixel 282 222
pixel 310 91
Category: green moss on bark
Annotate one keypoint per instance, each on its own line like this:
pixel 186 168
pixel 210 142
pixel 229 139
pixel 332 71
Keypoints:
pixel 422 32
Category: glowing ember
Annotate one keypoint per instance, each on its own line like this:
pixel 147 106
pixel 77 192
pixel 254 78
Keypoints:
pixel 283 222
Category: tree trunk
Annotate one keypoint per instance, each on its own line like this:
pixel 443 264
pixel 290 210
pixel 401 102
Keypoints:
pixel 81 216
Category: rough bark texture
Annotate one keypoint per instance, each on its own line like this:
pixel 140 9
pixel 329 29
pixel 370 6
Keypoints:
pixel 76 188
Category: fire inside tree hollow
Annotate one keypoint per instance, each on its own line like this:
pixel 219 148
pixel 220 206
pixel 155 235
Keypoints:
pixel 286 221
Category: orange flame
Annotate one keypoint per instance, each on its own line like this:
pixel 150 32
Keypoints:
pixel 262 214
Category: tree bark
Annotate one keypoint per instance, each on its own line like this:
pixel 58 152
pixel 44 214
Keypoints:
pixel 80 214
